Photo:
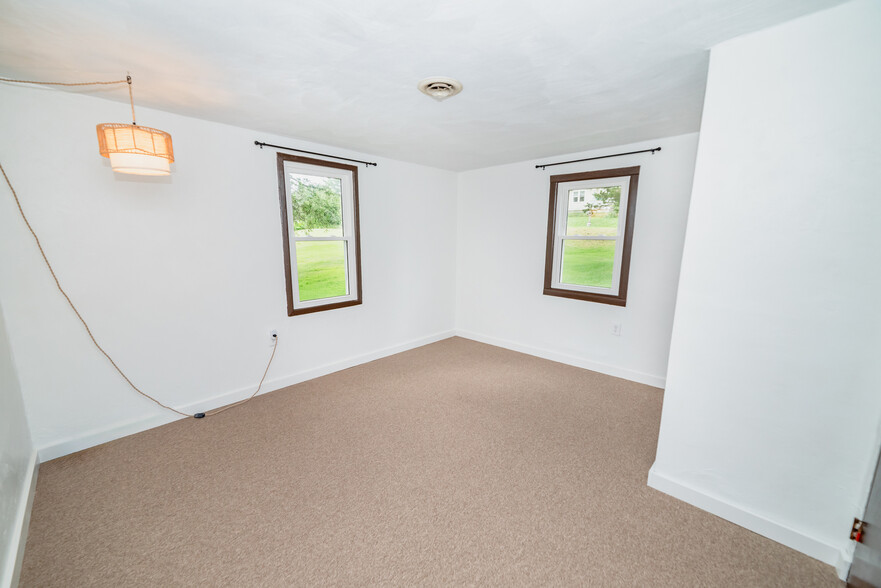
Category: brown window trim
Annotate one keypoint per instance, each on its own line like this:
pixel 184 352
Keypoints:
pixel 621 298
pixel 283 203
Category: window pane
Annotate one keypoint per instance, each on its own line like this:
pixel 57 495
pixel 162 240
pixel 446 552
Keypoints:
pixel 316 205
pixel 321 269
pixel 588 263
pixel 596 215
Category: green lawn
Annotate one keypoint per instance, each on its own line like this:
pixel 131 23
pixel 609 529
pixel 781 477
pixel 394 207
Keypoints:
pixel 321 269
pixel 588 262
pixel 576 224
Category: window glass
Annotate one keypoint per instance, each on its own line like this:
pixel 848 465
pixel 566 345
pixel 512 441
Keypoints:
pixel 316 205
pixel 598 216
pixel 321 269
pixel 588 263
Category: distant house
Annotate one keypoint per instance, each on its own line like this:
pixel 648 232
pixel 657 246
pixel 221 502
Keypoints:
pixel 577 199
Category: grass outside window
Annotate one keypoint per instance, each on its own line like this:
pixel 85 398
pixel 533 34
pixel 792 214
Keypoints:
pixel 589 262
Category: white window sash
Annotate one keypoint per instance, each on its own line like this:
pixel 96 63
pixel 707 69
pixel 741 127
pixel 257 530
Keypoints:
pixel 561 210
pixel 348 208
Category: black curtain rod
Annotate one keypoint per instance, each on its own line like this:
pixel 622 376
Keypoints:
pixel 261 144
pixel 544 165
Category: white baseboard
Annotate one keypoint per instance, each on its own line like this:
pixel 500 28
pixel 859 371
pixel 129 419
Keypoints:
pixel 11 569
pixel 101 435
pixel 130 427
pixel 756 523
pixel 842 566
pixel 594 366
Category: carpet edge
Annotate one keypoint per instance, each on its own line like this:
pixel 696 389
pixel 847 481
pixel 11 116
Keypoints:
pixel 594 366
pixel 734 513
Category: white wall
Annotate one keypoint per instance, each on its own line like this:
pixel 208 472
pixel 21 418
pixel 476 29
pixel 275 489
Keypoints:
pixel 181 278
pixel 16 460
pixel 773 390
pixel 502 233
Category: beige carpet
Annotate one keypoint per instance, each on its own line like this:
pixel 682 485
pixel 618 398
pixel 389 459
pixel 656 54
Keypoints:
pixel 457 463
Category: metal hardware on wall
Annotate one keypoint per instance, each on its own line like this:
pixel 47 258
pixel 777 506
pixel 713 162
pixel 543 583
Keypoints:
pixel 544 165
pixel 856 532
pixel 261 145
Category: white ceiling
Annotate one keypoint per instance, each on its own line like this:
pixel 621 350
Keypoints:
pixel 541 78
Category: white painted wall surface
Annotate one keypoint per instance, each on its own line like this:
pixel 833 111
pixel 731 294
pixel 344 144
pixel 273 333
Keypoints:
pixel 502 235
pixel 16 459
pixel 181 278
pixel 773 392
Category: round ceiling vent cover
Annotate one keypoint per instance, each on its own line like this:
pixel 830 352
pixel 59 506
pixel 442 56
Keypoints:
pixel 440 88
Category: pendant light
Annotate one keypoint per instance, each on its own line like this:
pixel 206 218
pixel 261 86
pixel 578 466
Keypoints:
pixel 133 149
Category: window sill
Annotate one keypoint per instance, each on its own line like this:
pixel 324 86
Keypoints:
pixel 620 300
pixel 319 308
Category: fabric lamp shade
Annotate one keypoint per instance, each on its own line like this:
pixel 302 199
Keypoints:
pixel 133 149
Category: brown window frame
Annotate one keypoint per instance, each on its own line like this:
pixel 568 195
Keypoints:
pixel 283 203
pixel 629 220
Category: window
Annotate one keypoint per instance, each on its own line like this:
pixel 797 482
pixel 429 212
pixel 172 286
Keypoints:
pixel 588 248
pixel 322 252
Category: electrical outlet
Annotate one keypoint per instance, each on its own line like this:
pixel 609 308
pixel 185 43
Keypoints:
pixel 616 329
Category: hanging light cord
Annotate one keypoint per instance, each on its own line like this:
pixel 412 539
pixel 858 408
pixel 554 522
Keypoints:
pixel 131 99
pixel 127 80
pixel 24 217
pixel 67 83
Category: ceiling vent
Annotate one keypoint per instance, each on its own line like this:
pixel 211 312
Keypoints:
pixel 440 88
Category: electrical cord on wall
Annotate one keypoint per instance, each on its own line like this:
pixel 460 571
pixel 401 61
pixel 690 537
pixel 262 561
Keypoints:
pixel 198 415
